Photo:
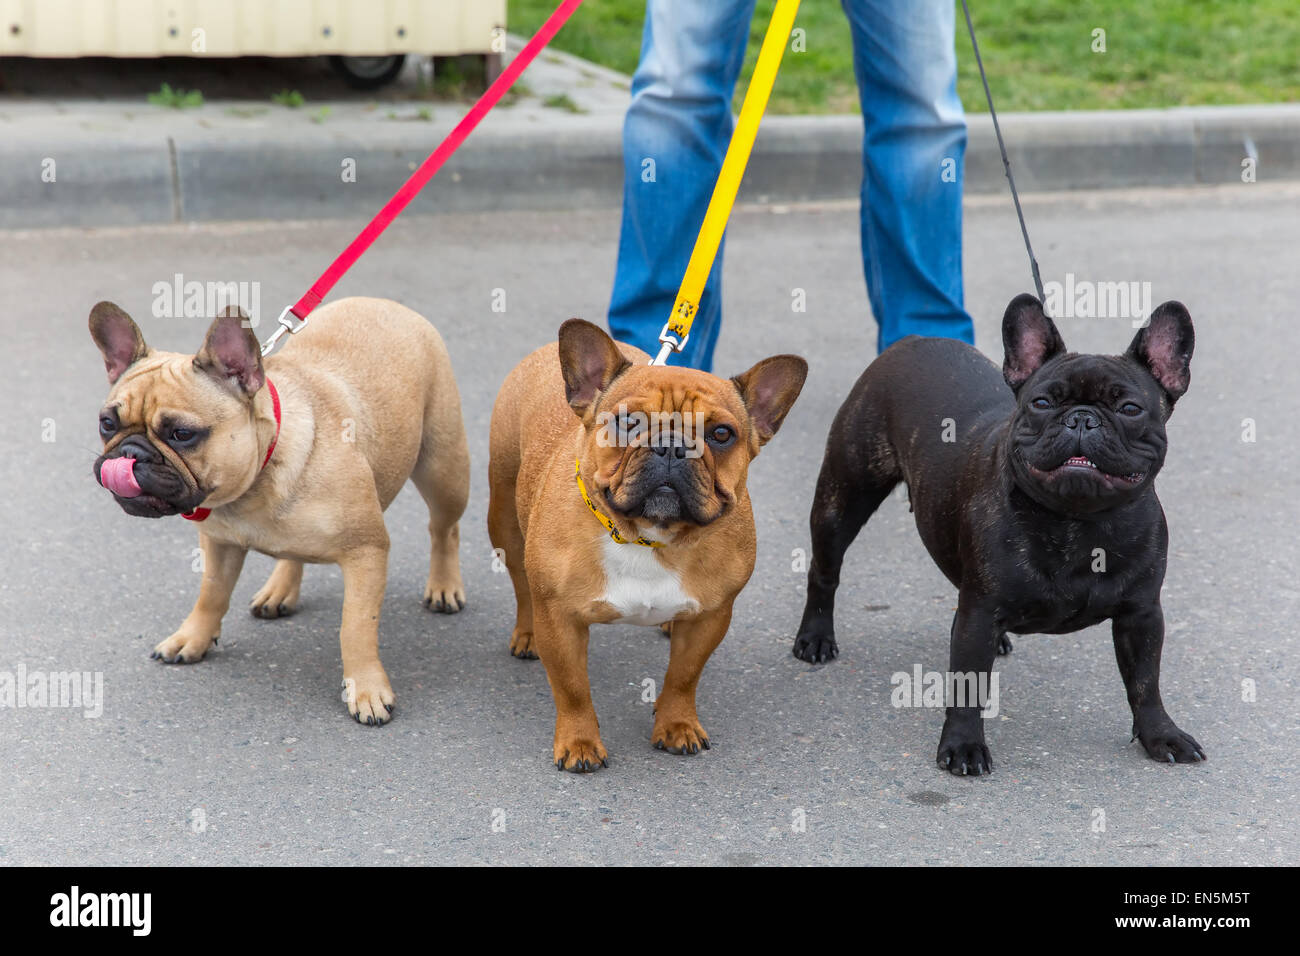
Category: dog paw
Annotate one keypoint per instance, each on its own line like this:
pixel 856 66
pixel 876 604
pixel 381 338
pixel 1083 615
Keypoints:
pixel 963 753
pixel 269 605
pixel 1166 743
pixel 580 754
pixel 816 647
pixel 182 649
pixel 369 697
pixel 679 736
pixel 278 597
pixel 444 600
pixel 1005 646
pixel 521 645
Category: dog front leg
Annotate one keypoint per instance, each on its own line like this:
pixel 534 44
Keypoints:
pixel 1139 635
pixel 677 726
pixel 222 563
pixel 974 644
pixel 562 646
pixel 366 689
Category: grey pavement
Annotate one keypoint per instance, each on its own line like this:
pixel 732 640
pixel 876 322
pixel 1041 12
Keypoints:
pixel 255 743
pixel 240 156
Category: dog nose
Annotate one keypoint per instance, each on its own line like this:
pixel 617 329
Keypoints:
pixel 677 449
pixel 1086 418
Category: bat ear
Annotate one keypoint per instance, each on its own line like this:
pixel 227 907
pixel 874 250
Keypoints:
pixel 1029 338
pixel 589 360
pixel 118 338
pixel 769 390
pixel 1164 348
pixel 231 352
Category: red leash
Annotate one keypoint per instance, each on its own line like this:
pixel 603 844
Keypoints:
pixel 292 318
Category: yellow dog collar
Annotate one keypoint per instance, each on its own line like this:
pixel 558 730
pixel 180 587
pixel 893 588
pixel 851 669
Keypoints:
pixel 604 519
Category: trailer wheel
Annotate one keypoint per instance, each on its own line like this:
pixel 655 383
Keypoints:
pixel 368 72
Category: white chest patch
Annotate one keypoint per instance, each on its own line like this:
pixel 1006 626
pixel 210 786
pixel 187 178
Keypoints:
pixel 641 589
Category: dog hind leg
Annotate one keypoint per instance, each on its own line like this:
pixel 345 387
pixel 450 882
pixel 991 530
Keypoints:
pixel 278 597
pixel 508 542
pixel 850 488
pixel 441 475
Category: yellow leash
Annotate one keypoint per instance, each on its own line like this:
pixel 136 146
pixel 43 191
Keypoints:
pixel 678 327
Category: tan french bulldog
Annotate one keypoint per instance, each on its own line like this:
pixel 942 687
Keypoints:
pixel 296 458
pixel 636 510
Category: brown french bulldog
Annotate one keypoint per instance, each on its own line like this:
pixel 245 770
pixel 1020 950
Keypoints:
pixel 296 458
pixel 636 510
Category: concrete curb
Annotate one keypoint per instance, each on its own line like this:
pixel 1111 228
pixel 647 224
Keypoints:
pixel 165 168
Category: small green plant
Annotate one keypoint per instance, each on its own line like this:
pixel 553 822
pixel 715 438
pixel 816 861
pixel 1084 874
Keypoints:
pixel 321 115
pixel 516 93
pixel 290 98
pixel 562 101
pixel 424 114
pixel 457 77
pixel 177 99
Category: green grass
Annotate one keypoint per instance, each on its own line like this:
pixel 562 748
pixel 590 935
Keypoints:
pixel 288 98
pixel 563 101
pixel 459 78
pixel 1037 52
pixel 176 99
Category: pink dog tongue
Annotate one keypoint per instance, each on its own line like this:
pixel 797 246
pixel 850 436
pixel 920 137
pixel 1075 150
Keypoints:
pixel 118 476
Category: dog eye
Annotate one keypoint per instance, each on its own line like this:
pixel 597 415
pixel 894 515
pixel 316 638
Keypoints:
pixel 1041 403
pixel 107 425
pixel 183 436
pixel 721 435
pixel 1130 408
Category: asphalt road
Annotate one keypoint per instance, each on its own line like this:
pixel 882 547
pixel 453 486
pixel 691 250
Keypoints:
pixel 250 757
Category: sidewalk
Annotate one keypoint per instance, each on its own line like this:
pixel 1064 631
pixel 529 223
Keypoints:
pixel 119 160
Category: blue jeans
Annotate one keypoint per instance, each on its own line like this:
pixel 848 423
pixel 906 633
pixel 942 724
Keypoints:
pixel 680 122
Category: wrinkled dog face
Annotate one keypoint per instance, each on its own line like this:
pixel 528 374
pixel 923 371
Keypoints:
pixel 1089 430
pixel 671 451
pixel 671 446
pixel 187 421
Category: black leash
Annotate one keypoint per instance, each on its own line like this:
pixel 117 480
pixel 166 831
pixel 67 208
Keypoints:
pixel 1006 163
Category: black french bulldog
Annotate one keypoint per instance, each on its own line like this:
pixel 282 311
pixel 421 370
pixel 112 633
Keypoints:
pixel 1013 492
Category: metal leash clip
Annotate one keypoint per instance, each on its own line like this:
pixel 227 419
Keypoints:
pixel 289 322
pixel 671 343
pixel 676 331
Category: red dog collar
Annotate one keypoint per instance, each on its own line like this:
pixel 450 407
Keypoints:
pixel 201 514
